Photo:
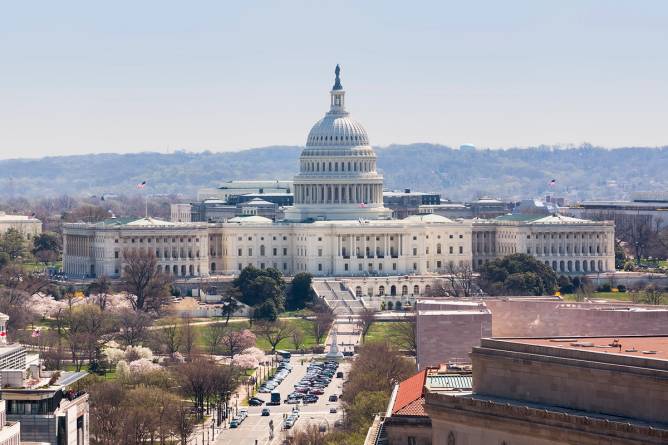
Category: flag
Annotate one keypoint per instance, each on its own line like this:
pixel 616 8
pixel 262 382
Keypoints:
pixel 3 334
pixel 141 185
pixel 553 183
pixel 36 333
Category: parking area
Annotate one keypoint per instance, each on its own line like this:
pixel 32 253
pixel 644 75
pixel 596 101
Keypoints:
pixel 256 426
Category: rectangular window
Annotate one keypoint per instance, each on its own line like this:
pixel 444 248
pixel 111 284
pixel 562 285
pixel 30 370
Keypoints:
pixel 394 266
pixel 359 267
pixel 285 266
pixel 438 264
pixel 345 267
pixel 239 266
pixel 319 252
pixel 116 254
pixel 414 266
pixel 380 266
pixel 285 251
pixel 461 249
pixel 319 267
pixel 239 252
pixel 414 251
pixel 450 249
pixel 250 251
pixel 275 250
pixel 262 266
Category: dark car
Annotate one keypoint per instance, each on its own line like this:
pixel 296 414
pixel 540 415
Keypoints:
pixel 265 411
pixel 333 398
pixel 254 401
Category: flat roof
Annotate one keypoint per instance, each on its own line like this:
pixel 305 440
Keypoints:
pixel 633 346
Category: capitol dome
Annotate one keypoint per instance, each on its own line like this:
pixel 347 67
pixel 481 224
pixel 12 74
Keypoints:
pixel 337 130
pixel 337 177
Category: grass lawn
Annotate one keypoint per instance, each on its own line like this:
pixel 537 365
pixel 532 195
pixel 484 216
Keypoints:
pixel 619 296
pixel 305 325
pixel 384 331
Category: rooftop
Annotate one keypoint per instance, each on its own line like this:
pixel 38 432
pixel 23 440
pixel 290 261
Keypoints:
pixel 408 396
pixel 645 347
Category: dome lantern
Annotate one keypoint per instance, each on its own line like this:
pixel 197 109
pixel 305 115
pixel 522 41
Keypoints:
pixel 338 95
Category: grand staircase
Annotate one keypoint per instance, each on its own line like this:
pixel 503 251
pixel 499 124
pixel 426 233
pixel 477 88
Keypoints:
pixel 338 297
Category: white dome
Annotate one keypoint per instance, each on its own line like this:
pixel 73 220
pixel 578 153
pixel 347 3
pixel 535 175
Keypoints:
pixel 337 129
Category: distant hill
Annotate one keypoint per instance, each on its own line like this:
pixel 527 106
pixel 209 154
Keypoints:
pixel 584 172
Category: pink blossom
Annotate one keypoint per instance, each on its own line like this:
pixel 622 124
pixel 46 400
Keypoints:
pixel 245 361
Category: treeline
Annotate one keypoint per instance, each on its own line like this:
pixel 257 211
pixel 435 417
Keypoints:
pixel 457 174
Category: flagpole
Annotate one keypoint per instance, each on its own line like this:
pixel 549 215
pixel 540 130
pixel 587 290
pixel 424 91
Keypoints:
pixel 146 205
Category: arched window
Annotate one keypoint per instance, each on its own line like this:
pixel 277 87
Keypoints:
pixel 381 290
pixel 393 290
pixel 416 290
pixel 213 267
pixel 451 438
pixel 358 291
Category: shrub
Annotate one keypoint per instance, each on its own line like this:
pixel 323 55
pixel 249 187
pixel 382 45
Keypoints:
pixel 604 288
pixel 621 288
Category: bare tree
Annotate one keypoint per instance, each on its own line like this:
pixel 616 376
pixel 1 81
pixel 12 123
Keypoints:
pixel 406 335
pixel 298 338
pixel 437 289
pixel 169 336
pixel 197 381
pixel 366 319
pixel 213 337
pixel 188 334
pixel 101 288
pixel 133 327
pixel 324 317
pixel 148 289
pixel 89 329
pixel 460 280
pixel 274 332
pixel 652 295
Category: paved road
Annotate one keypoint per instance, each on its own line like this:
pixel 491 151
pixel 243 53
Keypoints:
pixel 256 427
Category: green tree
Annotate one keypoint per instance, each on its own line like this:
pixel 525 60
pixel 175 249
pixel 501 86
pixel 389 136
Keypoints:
pixel 46 241
pixel 518 274
pixel 13 243
pixel 300 291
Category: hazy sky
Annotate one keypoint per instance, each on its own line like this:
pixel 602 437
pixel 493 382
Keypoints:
pixel 121 76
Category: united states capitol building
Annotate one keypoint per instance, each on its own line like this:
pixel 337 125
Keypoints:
pixel 338 226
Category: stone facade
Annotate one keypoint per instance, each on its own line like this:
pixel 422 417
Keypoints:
pixel 28 226
pixel 447 330
pixel 526 393
pixel 567 245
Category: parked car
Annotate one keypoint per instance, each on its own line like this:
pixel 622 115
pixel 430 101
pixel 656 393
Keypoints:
pixel 254 401
pixel 333 398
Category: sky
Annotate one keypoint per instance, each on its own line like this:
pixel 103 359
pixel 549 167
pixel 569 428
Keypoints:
pixel 125 76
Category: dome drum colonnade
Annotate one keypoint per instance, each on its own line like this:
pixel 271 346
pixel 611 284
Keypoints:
pixel 337 178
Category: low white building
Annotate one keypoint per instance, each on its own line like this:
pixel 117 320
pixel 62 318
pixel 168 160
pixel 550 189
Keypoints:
pixel 568 245
pixel 28 226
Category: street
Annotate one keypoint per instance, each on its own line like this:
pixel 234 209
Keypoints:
pixel 256 427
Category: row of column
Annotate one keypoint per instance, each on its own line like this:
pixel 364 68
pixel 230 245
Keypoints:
pixel 78 245
pixel 387 247
pixel 338 194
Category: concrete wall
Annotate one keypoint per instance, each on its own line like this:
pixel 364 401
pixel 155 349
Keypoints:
pixel 449 334
pixel 529 373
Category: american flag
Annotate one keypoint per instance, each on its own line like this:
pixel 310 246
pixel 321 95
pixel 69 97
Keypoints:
pixel 141 185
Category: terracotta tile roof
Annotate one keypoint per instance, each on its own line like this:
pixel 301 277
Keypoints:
pixel 414 408
pixel 410 390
